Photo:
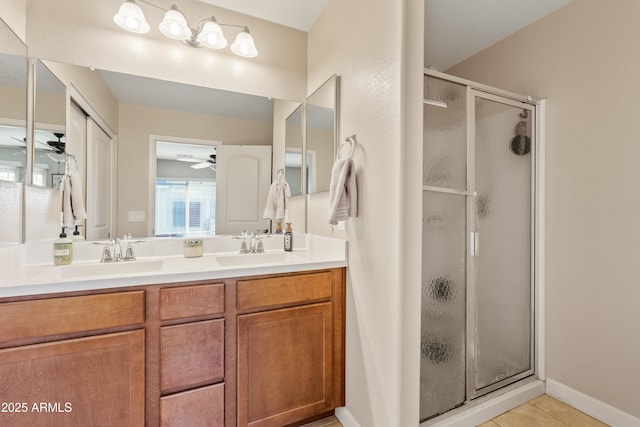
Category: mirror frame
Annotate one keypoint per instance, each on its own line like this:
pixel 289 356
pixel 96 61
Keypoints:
pixel 298 112
pixel 334 96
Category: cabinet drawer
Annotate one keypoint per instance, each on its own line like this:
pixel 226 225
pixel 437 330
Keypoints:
pixel 201 407
pixel 283 290
pixel 39 318
pixel 188 301
pixel 191 354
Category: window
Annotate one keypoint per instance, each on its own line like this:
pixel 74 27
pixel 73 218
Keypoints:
pixel 8 173
pixel 185 207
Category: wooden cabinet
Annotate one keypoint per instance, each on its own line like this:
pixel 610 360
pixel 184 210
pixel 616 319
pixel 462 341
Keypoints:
pixel 255 351
pixel 290 359
pixel 73 360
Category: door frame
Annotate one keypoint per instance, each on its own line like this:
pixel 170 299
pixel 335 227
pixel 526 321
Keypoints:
pixel 472 392
pixel 151 198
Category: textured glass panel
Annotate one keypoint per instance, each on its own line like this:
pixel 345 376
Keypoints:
pixel 503 221
pixel 442 365
pixel 445 134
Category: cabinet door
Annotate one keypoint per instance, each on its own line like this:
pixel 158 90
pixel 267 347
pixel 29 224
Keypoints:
pixel 285 365
pixel 94 381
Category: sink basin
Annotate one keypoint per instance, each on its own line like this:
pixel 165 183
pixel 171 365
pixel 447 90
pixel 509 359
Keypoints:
pixel 102 269
pixel 242 260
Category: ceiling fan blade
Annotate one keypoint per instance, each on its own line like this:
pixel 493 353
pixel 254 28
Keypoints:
pixel 190 159
pixel 201 165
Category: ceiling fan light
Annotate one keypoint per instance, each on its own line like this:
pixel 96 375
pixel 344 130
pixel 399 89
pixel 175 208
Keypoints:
pixel 211 35
pixel 131 18
pixel 174 25
pixel 244 45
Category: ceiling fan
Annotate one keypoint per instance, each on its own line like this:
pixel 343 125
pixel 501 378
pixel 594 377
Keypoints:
pixel 199 163
pixel 55 146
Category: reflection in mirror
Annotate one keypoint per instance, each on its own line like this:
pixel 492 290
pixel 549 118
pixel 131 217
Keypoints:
pixel 50 118
pixel 293 151
pixel 13 108
pixel 321 135
pixel 185 189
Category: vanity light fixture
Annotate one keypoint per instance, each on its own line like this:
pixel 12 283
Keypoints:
pixel 174 25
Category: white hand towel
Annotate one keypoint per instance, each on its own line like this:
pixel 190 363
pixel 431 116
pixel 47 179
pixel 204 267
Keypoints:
pixel 343 192
pixel 77 202
pixel 279 193
pixel 67 211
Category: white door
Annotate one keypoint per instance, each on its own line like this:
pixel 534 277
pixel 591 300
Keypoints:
pixel 243 177
pixel 100 151
pixel 76 145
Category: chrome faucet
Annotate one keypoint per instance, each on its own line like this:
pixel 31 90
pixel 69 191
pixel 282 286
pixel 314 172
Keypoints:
pixel 112 252
pixel 251 243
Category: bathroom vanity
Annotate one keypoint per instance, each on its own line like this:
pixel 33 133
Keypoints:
pixel 194 342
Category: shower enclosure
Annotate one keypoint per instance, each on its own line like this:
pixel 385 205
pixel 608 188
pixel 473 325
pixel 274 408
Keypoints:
pixel 477 242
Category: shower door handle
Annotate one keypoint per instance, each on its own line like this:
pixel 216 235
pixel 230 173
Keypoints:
pixel 474 243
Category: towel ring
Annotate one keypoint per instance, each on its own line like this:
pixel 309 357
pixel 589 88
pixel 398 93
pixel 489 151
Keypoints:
pixel 351 140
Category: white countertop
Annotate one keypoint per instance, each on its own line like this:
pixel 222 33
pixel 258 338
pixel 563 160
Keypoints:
pixel 29 268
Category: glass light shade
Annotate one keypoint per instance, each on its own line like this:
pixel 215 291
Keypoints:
pixel 244 45
pixel 211 36
pixel 174 25
pixel 131 18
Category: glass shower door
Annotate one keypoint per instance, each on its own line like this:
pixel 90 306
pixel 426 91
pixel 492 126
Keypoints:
pixel 477 244
pixel 502 257
pixel 444 253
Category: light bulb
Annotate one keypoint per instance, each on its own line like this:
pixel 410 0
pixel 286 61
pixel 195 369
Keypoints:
pixel 131 18
pixel 211 35
pixel 174 25
pixel 244 45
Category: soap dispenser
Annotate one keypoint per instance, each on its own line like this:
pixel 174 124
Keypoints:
pixel 76 234
pixel 62 249
pixel 288 238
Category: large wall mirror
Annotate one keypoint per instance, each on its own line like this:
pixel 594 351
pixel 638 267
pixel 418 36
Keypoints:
pixel 13 133
pixel 293 152
pixel 321 128
pixel 49 160
pixel 166 133
pixel 13 108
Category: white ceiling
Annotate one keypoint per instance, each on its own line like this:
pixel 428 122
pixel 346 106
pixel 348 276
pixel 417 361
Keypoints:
pixel 298 14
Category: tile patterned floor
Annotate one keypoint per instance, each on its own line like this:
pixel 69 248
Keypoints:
pixel 331 421
pixel 543 411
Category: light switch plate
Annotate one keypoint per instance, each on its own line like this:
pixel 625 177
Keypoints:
pixel 136 216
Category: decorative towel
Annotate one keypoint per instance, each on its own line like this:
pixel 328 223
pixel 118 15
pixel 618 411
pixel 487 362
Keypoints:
pixel 77 202
pixel 279 193
pixel 72 201
pixel 343 192
pixel 67 210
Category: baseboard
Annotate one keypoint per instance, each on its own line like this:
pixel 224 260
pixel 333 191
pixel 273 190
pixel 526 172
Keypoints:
pixel 346 419
pixel 490 408
pixel 591 406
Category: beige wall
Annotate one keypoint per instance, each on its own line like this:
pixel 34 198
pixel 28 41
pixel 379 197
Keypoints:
pixel 14 103
pixel 137 123
pixel 92 87
pixel 61 31
pixel 348 42
pixel 13 14
pixel 582 60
